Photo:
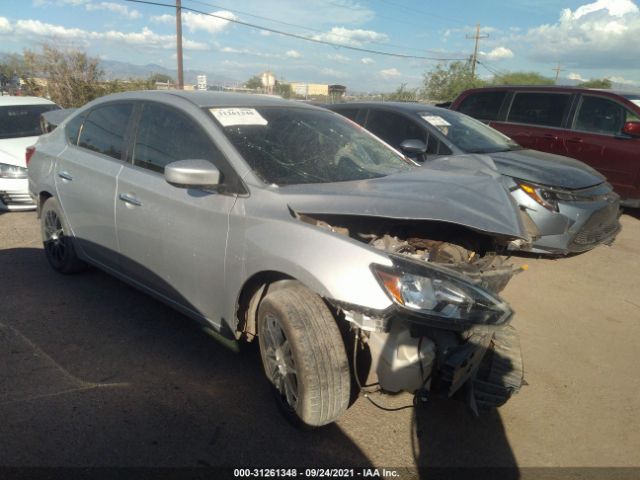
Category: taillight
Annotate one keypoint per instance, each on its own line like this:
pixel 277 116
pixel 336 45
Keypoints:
pixel 29 153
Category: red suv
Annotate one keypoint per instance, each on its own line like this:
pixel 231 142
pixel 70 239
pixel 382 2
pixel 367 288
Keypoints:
pixel 599 127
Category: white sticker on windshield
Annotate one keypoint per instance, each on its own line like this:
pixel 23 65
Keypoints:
pixel 238 116
pixel 436 120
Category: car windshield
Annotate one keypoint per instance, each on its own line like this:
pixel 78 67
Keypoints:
pixel 289 145
pixel 22 120
pixel 469 134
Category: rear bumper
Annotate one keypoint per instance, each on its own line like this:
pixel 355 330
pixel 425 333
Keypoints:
pixel 14 195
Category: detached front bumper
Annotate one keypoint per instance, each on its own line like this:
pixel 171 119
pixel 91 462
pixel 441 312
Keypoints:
pixel 14 195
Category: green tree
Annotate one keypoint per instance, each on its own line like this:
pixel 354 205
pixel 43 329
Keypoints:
pixel 160 77
pixel 254 82
pixel 12 68
pixel 282 89
pixel 446 82
pixel 597 83
pixel 73 78
pixel 522 78
pixel 403 94
pixel 115 86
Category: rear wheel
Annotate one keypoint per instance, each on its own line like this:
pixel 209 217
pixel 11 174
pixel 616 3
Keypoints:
pixel 303 356
pixel 58 244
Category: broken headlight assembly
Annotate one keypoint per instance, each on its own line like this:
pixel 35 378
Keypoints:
pixel 549 197
pixel 436 295
pixel 12 171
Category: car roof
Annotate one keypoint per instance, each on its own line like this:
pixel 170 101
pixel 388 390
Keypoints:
pixel 412 107
pixel 552 88
pixel 205 99
pixel 10 100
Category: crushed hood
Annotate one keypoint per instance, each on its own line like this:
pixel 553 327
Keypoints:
pixel 546 169
pixel 472 199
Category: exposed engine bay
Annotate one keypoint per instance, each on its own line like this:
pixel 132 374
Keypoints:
pixel 481 364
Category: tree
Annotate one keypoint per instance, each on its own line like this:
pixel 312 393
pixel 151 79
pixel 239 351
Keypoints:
pixel 402 94
pixel 161 78
pixel 447 82
pixel 12 69
pixel 254 82
pixel 72 77
pixel 522 78
pixel 282 89
pixel 597 83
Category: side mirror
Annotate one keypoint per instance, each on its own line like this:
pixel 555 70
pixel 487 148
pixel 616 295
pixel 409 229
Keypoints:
pixel 192 173
pixel 413 147
pixel 632 129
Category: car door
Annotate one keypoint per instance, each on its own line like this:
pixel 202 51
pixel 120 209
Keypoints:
pixel 536 120
pixel 86 175
pixel 596 138
pixel 172 240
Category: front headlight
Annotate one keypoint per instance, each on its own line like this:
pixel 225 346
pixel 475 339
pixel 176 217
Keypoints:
pixel 544 196
pixel 12 171
pixel 439 295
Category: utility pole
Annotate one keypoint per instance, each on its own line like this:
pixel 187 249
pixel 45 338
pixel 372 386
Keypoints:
pixel 179 43
pixel 557 70
pixel 474 58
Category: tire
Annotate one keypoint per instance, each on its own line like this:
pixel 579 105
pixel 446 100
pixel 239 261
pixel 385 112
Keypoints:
pixel 303 356
pixel 59 246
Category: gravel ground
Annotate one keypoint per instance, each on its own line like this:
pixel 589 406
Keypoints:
pixel 94 373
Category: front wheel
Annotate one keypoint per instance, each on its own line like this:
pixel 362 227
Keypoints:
pixel 58 243
pixel 303 356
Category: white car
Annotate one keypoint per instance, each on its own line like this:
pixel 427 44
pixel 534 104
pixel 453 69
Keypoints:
pixel 19 129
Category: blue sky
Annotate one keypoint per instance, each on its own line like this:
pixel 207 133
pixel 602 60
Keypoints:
pixel 588 39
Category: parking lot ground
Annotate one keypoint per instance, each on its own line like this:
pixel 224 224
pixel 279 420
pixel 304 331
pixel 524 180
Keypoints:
pixel 95 373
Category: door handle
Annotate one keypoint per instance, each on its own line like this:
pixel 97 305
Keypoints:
pixel 574 140
pixel 65 176
pixel 550 137
pixel 128 198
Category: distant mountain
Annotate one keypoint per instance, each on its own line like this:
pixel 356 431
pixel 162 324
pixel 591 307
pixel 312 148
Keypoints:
pixel 121 70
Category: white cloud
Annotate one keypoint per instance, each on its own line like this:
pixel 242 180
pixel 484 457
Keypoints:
pixel 389 73
pixel 595 35
pixel 330 72
pixel 5 26
pixel 366 60
pixel 339 58
pixel 293 54
pixel 576 76
pixel 114 7
pixel 498 53
pixel 213 25
pixel 622 80
pixel 356 37
pixel 166 18
pixel 31 29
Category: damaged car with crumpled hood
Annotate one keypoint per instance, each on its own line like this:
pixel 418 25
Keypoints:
pixel 269 219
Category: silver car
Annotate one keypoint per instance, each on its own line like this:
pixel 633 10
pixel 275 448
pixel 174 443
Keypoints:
pixel 263 218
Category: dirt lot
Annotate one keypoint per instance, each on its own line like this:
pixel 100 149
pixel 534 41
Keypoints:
pixel 93 372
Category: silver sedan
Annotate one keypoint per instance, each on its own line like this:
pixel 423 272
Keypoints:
pixel 263 218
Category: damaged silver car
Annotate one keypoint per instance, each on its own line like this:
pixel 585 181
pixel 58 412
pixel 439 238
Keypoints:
pixel 263 218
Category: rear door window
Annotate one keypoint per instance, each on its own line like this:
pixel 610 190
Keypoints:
pixel 73 129
pixel 535 108
pixel 601 115
pixel 482 105
pixel 165 135
pixel 105 128
pixel 393 128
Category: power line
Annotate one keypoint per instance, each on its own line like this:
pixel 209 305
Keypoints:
pixel 305 27
pixel 299 37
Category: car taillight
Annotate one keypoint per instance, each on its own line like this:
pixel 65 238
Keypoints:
pixel 29 153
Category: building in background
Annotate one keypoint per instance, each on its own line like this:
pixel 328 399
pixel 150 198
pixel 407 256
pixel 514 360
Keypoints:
pixel 202 82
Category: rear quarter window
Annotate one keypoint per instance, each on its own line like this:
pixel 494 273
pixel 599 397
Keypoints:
pixel 483 105
pixel 544 109
pixel 72 129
